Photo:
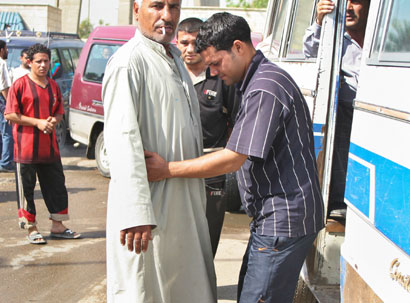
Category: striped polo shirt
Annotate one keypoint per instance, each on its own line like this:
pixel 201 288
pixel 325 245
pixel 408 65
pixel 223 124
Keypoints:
pixel 29 99
pixel 278 182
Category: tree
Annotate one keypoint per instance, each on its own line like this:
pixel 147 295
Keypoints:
pixel 247 4
pixel 85 29
pixel 101 23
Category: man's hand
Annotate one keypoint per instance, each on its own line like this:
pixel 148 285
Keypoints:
pixel 45 125
pixel 157 167
pixel 48 125
pixel 136 238
pixel 324 7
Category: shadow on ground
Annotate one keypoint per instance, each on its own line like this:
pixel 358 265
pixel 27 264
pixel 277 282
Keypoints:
pixel 227 292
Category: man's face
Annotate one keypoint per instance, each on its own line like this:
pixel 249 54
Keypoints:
pixel 106 53
pixel 356 14
pixel 4 53
pixel 226 65
pixel 158 19
pixel 24 60
pixel 186 44
pixel 40 65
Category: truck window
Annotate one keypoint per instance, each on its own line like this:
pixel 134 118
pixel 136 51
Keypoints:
pixel 56 70
pixel 68 69
pixel 75 55
pixel 392 41
pixel 303 16
pixel 97 60
pixel 13 59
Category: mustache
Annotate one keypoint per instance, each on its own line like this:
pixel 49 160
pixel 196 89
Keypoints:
pixel 164 24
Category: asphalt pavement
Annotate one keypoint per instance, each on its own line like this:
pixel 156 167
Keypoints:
pixel 74 270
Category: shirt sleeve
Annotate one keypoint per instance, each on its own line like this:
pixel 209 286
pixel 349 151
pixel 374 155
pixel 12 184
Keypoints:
pixel 4 77
pixel 311 40
pixel 129 192
pixel 13 99
pixel 258 123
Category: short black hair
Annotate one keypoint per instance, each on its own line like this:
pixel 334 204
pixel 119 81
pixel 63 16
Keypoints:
pixel 23 51
pixel 221 30
pixel 36 49
pixel 189 25
pixel 2 44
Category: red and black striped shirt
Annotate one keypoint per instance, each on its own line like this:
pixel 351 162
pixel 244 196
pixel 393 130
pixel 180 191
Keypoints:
pixel 29 99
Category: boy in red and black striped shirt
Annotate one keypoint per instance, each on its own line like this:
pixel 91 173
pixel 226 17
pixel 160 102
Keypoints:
pixel 35 106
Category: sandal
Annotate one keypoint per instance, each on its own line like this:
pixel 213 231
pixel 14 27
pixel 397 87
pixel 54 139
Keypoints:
pixel 36 238
pixel 67 234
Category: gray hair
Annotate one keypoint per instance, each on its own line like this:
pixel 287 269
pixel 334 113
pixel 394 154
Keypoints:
pixel 139 2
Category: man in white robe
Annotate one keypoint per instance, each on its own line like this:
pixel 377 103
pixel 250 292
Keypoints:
pixel 150 104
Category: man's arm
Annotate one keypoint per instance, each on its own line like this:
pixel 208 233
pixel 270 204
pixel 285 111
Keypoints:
pixel 129 186
pixel 311 38
pixel 44 125
pixel 4 92
pixel 209 165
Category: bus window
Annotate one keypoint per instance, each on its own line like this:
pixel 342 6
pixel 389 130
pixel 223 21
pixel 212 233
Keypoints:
pixel 302 21
pixel 392 42
pixel 278 26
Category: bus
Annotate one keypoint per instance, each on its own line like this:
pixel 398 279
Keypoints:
pixel 363 257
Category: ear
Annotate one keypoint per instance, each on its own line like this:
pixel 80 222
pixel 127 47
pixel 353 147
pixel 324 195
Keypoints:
pixel 135 9
pixel 238 47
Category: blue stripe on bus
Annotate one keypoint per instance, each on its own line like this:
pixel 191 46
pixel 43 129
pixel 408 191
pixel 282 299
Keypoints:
pixel 391 192
pixel 318 138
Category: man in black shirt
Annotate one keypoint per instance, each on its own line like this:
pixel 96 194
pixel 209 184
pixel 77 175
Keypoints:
pixel 217 103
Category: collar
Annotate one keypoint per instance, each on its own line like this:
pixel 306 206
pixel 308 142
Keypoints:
pixel 348 37
pixel 253 66
pixel 158 47
pixel 197 79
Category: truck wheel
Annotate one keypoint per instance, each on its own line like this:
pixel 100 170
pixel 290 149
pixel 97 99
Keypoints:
pixel 233 199
pixel 61 133
pixel 101 156
pixel 303 293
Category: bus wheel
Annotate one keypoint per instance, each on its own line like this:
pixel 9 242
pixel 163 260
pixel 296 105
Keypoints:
pixel 101 157
pixel 303 293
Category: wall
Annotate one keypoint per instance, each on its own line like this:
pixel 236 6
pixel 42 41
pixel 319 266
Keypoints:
pixel 37 17
pixel 70 18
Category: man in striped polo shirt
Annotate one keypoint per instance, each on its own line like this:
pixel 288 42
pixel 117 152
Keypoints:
pixel 271 146
pixel 35 107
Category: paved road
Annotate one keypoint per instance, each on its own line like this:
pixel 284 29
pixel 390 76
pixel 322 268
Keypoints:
pixel 74 270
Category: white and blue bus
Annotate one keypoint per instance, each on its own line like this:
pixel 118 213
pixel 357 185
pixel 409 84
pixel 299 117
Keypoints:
pixel 366 257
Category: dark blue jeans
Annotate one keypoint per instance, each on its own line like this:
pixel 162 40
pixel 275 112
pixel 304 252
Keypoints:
pixel 7 144
pixel 271 267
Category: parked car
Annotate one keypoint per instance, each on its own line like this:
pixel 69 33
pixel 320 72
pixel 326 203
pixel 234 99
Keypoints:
pixel 86 109
pixel 65 51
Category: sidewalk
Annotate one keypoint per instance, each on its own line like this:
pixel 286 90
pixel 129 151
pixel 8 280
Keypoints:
pixel 228 262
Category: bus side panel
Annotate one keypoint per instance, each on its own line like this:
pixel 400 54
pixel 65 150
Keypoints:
pixel 382 266
pixel 377 186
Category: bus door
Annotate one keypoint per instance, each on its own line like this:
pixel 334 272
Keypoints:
pixel 318 79
pixel 375 262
